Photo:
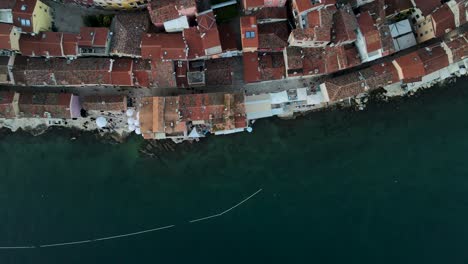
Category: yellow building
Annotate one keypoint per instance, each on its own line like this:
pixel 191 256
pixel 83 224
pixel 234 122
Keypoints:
pixel 32 16
pixel 121 4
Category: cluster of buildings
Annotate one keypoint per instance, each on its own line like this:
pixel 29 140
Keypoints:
pixel 58 105
pixel 182 43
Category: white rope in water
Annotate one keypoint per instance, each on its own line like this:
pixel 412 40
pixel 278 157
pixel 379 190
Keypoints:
pixel 227 210
pixel 129 234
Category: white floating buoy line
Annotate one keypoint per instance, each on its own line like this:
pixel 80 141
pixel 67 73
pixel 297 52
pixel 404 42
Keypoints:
pixel 78 242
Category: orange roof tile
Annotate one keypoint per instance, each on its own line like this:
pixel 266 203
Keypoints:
pixel 251 69
pixel 249 32
pixel 166 46
pixel 370 32
pixel 412 67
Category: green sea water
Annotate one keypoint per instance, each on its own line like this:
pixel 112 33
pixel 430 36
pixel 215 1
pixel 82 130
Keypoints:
pixel 384 185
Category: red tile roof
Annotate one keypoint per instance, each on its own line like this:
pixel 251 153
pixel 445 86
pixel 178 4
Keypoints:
pixel 70 44
pixel 319 26
pixel 82 71
pixel 304 5
pixel 194 43
pixel 93 37
pixel 268 13
pixel 53 44
pixel 458 47
pixel 208 30
pixel 165 10
pixel 219 71
pixel 248 25
pixel 370 32
pixel 164 74
pixel 23 9
pixel 165 46
pixel 228 38
pixel 433 58
pixel 412 67
pixel 122 72
pixel 128 29
pixel 7 4
pixel 143 72
pixel 396 6
pixel 42 44
pixel 271 66
pixel 6 104
pixel 443 19
pixel 427 6
pixel 41 104
pixel 104 102
pixel 355 83
pixel 273 36
pixel 251 68
pixel 317 61
pixel 253 3
pixel 221 111
pixel 344 25
pixel 5 30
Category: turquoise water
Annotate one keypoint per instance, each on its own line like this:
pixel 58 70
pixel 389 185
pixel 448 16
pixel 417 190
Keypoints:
pixel 384 185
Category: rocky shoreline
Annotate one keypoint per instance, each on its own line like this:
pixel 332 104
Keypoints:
pixel 155 148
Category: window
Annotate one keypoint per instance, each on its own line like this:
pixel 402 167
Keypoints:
pixel 250 34
pixel 25 22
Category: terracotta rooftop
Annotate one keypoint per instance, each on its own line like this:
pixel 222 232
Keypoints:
pixel 165 10
pixel 443 19
pixel 273 36
pixel 6 104
pixel 344 25
pixel 165 46
pixel 208 30
pixel 143 72
pixel 247 4
pixel 5 30
pixel 271 66
pixel 219 71
pixel 396 6
pixel 24 7
pixel 42 44
pixel 82 71
pixel 70 44
pixel 218 109
pixel 411 66
pixel 194 43
pixel 267 13
pixel 128 29
pixel 458 47
pixel 228 38
pixel 433 58
pixel 376 9
pixel 104 103
pixel 355 83
pixel 37 104
pixel 319 25
pixel 427 6
pixel 121 73
pixel 294 58
pixel 165 75
pixel 93 37
pixel 249 32
pixel 251 67
pixel 305 5
pixel 370 32
pixel 7 4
